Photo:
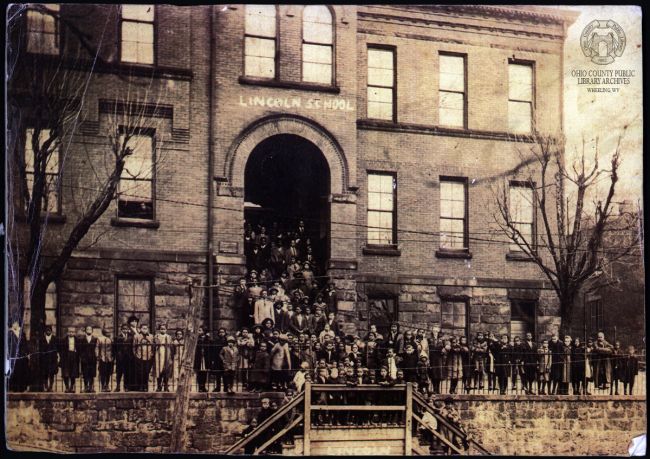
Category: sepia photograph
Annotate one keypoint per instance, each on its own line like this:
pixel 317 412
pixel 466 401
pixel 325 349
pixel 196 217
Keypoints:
pixel 328 230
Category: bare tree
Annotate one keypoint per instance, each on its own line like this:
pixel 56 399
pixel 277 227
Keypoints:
pixel 47 84
pixel 571 245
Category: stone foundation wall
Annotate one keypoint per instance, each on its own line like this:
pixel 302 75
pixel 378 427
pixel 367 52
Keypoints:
pixel 550 426
pixel 125 422
pixel 507 425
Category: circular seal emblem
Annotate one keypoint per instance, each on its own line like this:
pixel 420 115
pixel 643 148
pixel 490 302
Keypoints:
pixel 602 41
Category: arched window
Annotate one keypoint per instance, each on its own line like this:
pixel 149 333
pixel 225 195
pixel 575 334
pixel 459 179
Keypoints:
pixel 260 36
pixel 51 306
pixel 317 44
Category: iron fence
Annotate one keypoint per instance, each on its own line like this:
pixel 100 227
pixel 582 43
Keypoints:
pixel 151 367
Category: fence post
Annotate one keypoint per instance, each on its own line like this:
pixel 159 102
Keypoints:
pixel 182 402
pixel 408 440
pixel 307 421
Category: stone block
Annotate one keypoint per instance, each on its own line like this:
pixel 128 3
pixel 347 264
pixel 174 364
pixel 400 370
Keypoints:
pixel 412 307
pixel 405 298
pixel 426 297
pixel 493 319
pixel 345 306
pixel 433 308
pixel 420 288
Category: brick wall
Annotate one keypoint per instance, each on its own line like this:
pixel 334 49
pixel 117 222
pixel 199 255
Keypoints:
pixel 521 425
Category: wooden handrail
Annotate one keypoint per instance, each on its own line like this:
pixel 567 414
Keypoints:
pixel 450 426
pixel 293 424
pixel 438 435
pixel 268 422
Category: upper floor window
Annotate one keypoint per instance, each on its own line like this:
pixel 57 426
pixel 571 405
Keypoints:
pixel 451 99
pixel 137 34
pixel 381 83
pixel 454 317
pixel 135 193
pixel 43 30
pixel 317 44
pixel 260 46
pixel 522 214
pixel 520 98
pixel 382 188
pixel 50 174
pixel 453 213
pixel 134 298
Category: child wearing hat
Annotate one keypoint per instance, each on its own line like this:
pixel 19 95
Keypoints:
pixel 230 357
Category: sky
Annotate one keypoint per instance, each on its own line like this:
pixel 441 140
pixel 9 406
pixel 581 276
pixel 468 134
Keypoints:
pixel 603 115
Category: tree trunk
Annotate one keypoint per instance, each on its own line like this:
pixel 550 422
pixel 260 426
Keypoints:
pixel 567 301
pixel 182 402
pixel 36 329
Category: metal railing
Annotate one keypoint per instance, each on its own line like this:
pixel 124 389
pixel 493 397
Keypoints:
pixel 151 367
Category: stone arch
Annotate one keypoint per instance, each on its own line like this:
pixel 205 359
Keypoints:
pixel 269 126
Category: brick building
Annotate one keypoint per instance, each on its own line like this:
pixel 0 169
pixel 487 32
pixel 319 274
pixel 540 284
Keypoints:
pixel 394 123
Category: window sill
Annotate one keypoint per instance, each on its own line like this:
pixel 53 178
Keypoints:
pixel 300 85
pixel 464 254
pixel 383 250
pixel 518 256
pixel 135 222
pixel 57 219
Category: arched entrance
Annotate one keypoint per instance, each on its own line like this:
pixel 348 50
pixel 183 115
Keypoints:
pixel 287 180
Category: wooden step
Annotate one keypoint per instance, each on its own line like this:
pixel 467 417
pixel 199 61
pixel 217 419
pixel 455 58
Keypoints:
pixel 358 448
pixel 357 434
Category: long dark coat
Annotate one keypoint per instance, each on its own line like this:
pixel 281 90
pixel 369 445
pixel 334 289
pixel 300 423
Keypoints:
pixel 87 356
pixel 259 372
pixel 49 359
pixel 17 352
pixel 69 359
pixel 436 360
pixel 578 363
pixel 501 353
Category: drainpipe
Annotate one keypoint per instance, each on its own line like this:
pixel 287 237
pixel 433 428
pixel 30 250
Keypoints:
pixel 210 253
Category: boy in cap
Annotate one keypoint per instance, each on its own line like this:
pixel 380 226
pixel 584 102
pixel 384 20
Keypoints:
pixel 105 359
pixel 230 358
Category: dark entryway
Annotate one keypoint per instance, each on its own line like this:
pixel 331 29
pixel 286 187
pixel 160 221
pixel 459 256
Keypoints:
pixel 287 179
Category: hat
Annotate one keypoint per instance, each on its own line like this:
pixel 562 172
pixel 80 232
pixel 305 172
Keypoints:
pixel 230 338
pixel 273 289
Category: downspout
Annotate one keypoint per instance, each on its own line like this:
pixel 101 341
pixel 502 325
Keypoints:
pixel 210 253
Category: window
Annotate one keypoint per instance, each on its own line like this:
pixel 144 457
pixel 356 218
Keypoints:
pixel 43 30
pixel 596 316
pixel 317 39
pixel 382 188
pixel 382 312
pixel 134 298
pixel 454 316
pixel 522 318
pixel 451 100
pixel 381 83
pixel 51 303
pixel 453 213
pixel 135 193
pixel 51 201
pixel 137 34
pixel 259 47
pixel 520 98
pixel 522 214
